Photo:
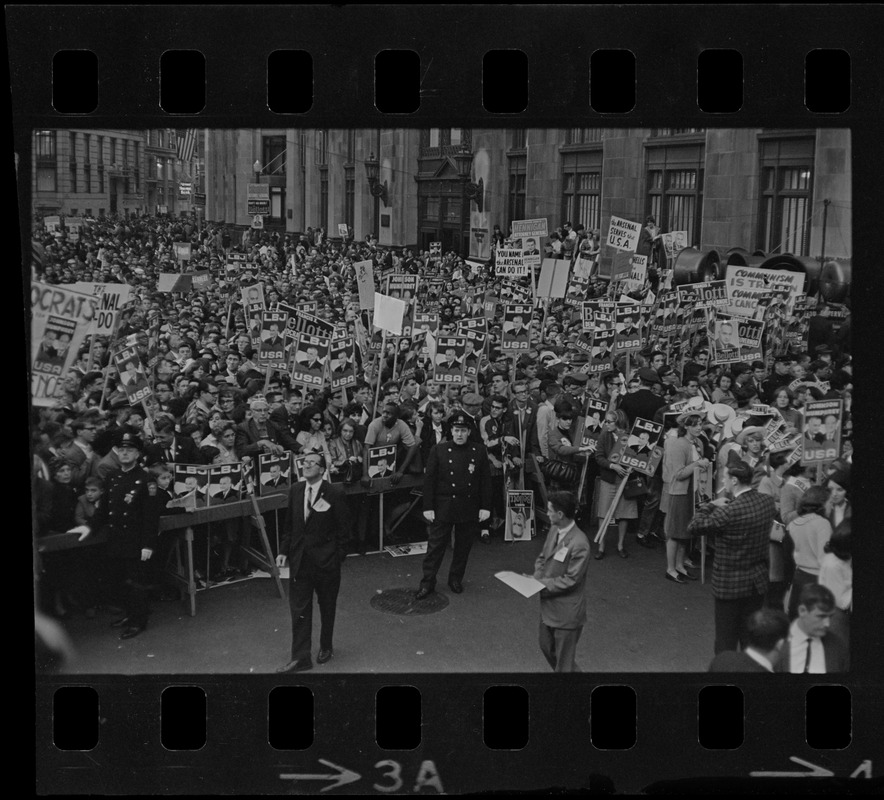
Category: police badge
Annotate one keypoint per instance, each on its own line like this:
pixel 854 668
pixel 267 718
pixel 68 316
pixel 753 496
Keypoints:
pixel 471 468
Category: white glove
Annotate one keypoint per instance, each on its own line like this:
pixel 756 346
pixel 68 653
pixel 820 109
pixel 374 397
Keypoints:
pixel 83 530
pixel 483 514
pixel 146 553
pixel 430 516
pixel 281 560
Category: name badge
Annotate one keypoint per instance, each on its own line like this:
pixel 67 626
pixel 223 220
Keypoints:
pixel 321 505
pixel 561 554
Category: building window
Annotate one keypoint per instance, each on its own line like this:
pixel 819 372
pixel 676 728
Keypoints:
pixel 786 195
pixel 88 212
pixel 73 170
pixel 101 178
pixel 517 187
pixel 87 177
pixel 45 161
pixel 519 138
pixel 435 138
pixel 456 136
pixel 274 157
pixel 323 199
pixel 322 147
pixel 453 210
pixel 277 202
pixel 351 146
pixel 659 132
pixel 582 198
pixel 675 200
pixel 101 213
pixel 349 196
pixel 583 135
pixel 302 149
pixel 136 180
pixel 101 150
pixel 431 208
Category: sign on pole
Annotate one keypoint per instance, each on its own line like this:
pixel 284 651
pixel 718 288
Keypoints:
pixel 508 263
pixel 258 222
pixel 536 228
pixel 258 199
pixel 623 234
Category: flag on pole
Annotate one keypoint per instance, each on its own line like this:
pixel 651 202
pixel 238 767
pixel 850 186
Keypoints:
pixel 186 144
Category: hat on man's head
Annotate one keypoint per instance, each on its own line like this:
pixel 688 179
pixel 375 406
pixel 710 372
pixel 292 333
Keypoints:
pixel 129 439
pixel 648 375
pixel 471 399
pixel 460 420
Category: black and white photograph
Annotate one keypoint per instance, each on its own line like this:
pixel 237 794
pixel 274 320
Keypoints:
pixel 274 473
pixel 225 484
pixel 381 462
pixel 310 358
pixel 448 365
pixel 191 480
pixel 516 332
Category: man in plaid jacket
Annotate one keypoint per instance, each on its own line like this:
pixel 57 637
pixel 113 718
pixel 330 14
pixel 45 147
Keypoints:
pixel 741 528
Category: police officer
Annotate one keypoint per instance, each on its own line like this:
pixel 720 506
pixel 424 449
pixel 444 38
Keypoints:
pixel 457 493
pixel 130 517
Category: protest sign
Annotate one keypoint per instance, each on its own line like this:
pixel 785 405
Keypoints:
pixel 747 285
pixel 382 461
pixel 583 267
pixel 225 484
pixel 475 344
pixel 435 250
pixel 53 224
pixel 515 335
pixel 628 333
pixel 182 251
pixel 388 313
pixel 402 286
pixel 508 263
pixel 343 363
pixel 688 293
pixel 190 479
pixel 536 228
pixel 520 523
pixel 639 449
pixel 553 278
pixel 638 268
pixel 59 321
pixel 132 375
pixel 111 299
pixel 623 234
pixel 821 442
pixel 621 266
pixel 448 364
pixel 310 358
pixel 343 230
pixel 750 332
pixel 724 337
pixel 274 473
pixel 593 423
pixel 258 199
pixel 602 355
pixel 271 351
pixel 530 254
pixel 253 308
pixel 713 293
pixel 674 242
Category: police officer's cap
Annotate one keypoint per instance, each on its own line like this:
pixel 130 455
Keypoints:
pixel 460 421
pixel 128 439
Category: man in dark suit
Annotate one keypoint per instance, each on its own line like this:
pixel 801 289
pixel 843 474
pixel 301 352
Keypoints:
pixel 561 568
pixel 169 448
pixel 317 526
pixel 740 570
pixel 812 647
pixel 766 632
pixel 457 493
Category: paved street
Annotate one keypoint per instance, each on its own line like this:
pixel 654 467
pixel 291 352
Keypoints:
pixel 638 621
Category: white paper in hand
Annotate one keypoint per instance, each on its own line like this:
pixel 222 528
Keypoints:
pixel 523 584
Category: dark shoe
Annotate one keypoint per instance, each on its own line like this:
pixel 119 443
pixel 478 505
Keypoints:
pixel 296 666
pixel 132 631
pixel 622 552
pixel 120 623
pixel 655 536
pixel 455 586
pixel 325 656
pixel 645 541
pixel 423 593
pixel 600 555
pixel 677 578
pixel 687 575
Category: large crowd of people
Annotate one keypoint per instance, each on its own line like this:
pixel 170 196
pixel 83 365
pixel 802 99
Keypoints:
pixel 777 528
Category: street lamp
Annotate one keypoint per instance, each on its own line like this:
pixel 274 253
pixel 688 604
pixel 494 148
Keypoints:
pixel 377 189
pixel 474 191
pixel 257 168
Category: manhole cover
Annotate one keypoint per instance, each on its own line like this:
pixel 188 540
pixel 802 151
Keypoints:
pixel 401 601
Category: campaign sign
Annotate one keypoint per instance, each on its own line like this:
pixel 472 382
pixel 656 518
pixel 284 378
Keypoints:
pixel 594 423
pixel 523 228
pixel 629 338
pixel 474 345
pixel 751 333
pixel 520 523
pixel 577 289
pixel 640 449
pixel 448 366
pixel 310 358
pixel 602 354
pixel 713 293
pixel 515 335
pixel 225 484
pixel 190 479
pixel 343 363
pixel 674 242
pixel 821 441
pixel 724 337
pixel 132 375
pixel 508 263
pixel 274 473
pixel 272 349
pixel 623 234
pixel 402 287
pixel 746 285
pixel 382 461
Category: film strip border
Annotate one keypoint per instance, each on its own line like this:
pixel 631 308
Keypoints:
pixel 459 734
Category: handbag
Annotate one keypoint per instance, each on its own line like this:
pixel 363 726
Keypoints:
pixel 562 472
pixel 635 487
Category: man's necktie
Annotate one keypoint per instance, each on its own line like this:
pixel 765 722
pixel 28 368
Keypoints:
pixel 310 503
pixel 807 657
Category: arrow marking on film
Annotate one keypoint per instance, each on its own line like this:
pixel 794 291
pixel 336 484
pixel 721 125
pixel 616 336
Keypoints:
pixel 342 777
pixel 815 771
